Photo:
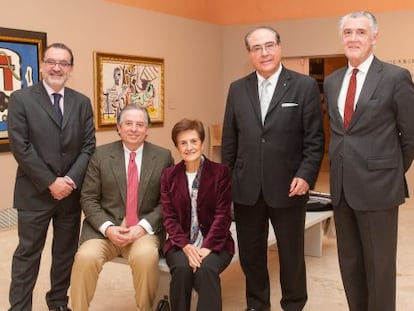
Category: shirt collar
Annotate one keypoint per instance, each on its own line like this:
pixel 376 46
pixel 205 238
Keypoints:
pixel 138 151
pixel 272 79
pixel 50 91
pixel 363 67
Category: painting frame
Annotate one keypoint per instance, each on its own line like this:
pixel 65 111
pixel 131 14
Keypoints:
pixel 21 52
pixel 123 79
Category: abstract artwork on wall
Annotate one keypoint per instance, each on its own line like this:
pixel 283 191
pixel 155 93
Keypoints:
pixel 20 55
pixel 124 79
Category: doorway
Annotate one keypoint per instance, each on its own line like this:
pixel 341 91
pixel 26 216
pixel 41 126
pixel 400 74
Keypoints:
pixel 319 68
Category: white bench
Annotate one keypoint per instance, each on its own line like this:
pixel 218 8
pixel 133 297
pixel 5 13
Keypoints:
pixel 314 232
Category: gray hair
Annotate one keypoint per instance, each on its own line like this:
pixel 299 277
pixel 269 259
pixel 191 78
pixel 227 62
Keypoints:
pixel 371 18
pixel 247 36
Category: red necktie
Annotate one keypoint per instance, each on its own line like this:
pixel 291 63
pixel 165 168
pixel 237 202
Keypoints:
pixel 350 99
pixel 132 192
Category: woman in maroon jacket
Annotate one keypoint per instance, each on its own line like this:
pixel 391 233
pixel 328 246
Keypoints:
pixel 196 200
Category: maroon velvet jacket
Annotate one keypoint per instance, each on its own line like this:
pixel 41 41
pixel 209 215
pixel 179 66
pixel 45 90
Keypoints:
pixel 213 207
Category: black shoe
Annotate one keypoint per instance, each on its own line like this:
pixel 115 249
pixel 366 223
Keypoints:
pixel 60 308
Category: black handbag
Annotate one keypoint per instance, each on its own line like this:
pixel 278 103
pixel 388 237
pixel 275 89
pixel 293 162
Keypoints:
pixel 319 202
pixel 163 304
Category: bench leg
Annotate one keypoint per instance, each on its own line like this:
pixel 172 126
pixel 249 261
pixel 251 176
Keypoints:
pixel 313 240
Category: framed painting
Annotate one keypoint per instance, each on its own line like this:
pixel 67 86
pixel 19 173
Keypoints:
pixel 124 79
pixel 20 55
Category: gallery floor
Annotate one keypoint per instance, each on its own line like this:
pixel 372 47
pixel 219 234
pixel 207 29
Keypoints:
pixel 115 293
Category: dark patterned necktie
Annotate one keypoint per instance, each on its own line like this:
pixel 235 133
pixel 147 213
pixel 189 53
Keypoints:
pixel 56 100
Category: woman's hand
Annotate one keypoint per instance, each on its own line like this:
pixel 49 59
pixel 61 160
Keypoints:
pixel 204 252
pixel 193 255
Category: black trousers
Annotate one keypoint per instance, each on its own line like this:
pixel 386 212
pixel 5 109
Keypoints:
pixel 206 280
pixel 367 250
pixel 252 224
pixel 32 232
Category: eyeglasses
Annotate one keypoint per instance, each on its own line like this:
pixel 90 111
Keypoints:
pixel 269 47
pixel 53 63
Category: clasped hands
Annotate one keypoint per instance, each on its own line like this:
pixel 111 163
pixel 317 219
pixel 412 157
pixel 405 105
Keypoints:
pixel 122 235
pixel 61 188
pixel 195 255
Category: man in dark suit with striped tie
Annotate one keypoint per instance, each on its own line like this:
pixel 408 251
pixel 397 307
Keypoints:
pixel 52 138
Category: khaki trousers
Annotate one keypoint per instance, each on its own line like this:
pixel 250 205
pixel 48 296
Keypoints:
pixel 142 256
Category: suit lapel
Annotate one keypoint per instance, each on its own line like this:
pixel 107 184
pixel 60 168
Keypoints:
pixel 44 101
pixel 283 84
pixel 119 170
pixel 337 85
pixel 182 184
pixel 68 108
pixel 370 84
pixel 206 182
pixel 254 95
pixel 147 167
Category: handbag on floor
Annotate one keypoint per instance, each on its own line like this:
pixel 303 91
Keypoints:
pixel 163 304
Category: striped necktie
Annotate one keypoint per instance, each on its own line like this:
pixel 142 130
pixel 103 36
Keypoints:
pixel 56 101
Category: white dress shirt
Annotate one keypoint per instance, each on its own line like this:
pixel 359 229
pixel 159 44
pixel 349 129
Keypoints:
pixel 360 79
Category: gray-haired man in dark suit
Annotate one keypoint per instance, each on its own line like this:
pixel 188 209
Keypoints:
pixel 371 148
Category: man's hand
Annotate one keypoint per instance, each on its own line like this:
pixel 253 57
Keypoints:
pixel 298 186
pixel 136 232
pixel 60 188
pixel 118 235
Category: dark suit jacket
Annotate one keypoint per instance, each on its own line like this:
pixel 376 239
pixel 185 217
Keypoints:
pixel 45 151
pixel 103 196
pixel 213 207
pixel 291 142
pixel 368 161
